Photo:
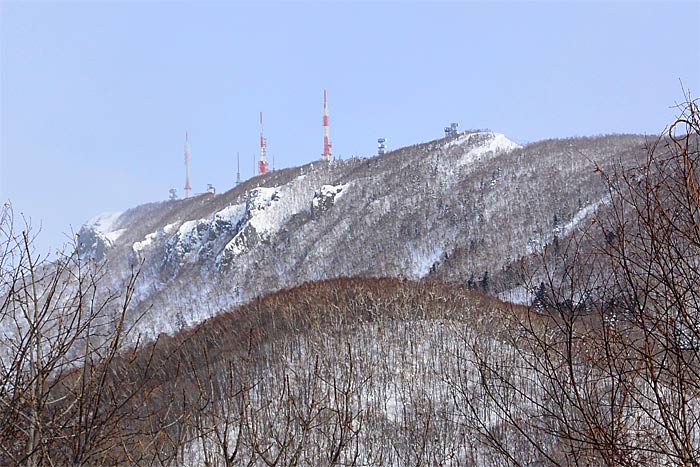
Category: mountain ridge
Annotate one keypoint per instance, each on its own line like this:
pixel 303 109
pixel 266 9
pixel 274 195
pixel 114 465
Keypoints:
pixel 437 209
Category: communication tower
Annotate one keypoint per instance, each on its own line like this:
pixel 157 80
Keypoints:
pixel 326 142
pixel 381 146
pixel 188 188
pixel 238 168
pixel 263 149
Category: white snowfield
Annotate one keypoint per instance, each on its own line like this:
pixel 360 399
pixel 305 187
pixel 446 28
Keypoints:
pixel 520 294
pixel 112 236
pixel 498 143
pixel 233 233
pixel 104 224
pixel 232 214
pixel 485 144
pixel 422 259
pixel 336 190
pixel 583 214
pixel 467 201
pixel 148 240
pixel 266 210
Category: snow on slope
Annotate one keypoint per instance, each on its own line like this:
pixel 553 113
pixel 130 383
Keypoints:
pixel 195 237
pixel 267 209
pixel 498 143
pixel 103 225
pixel 520 294
pixel 265 213
pixel 435 210
pixel 258 220
pixel 335 190
pixel 536 244
pixel 406 374
pixel 326 197
pixel 148 240
pixel 422 258
pixel 482 144
pixel 581 215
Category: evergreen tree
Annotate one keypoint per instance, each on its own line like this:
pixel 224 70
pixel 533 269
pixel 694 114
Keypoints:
pixel 484 282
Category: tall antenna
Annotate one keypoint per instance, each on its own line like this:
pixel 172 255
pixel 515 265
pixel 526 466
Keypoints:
pixel 326 143
pixel 263 150
pixel 238 168
pixel 188 188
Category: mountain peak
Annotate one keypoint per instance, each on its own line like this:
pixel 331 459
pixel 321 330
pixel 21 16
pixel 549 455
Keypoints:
pixel 459 209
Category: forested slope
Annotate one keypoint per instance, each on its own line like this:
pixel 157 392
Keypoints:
pixel 464 209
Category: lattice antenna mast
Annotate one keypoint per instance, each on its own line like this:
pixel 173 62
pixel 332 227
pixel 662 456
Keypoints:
pixel 326 141
pixel 188 188
pixel 238 168
pixel 263 149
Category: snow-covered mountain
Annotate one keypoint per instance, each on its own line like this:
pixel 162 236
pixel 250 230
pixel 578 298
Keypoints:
pixel 370 369
pixel 461 209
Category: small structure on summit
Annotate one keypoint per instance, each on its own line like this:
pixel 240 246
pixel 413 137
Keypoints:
pixel 451 130
pixel 381 146
pixel 238 168
pixel 188 188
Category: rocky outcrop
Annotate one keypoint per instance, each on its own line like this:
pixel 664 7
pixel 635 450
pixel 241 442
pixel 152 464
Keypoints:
pixel 324 199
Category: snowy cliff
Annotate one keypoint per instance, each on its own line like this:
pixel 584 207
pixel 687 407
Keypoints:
pixel 459 209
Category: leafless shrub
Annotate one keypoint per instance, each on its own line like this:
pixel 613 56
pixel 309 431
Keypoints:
pixel 65 397
pixel 603 369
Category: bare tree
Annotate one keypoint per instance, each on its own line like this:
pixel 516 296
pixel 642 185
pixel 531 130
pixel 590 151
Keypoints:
pixel 69 389
pixel 604 368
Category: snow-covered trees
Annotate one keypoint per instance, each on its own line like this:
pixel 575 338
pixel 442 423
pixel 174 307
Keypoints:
pixel 446 209
pixel 602 369
pixel 605 368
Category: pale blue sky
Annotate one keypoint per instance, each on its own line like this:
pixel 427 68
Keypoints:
pixel 95 97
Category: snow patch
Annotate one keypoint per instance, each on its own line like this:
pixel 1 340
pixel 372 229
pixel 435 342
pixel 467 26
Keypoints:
pixel 262 218
pixel 185 244
pixel 169 228
pixel 187 227
pixel 498 143
pixel 112 237
pixel 519 295
pixel 581 215
pixel 423 259
pixel 258 219
pixel 335 190
pixel 151 237
pixel 482 144
pixel 232 214
pixel 537 244
pixel 104 223
pixel 103 226
pixel 326 197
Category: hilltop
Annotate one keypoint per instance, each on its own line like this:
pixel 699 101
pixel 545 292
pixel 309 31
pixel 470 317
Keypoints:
pixel 463 209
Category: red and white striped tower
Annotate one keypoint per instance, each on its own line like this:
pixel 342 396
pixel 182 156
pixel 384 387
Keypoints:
pixel 326 143
pixel 188 188
pixel 263 143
